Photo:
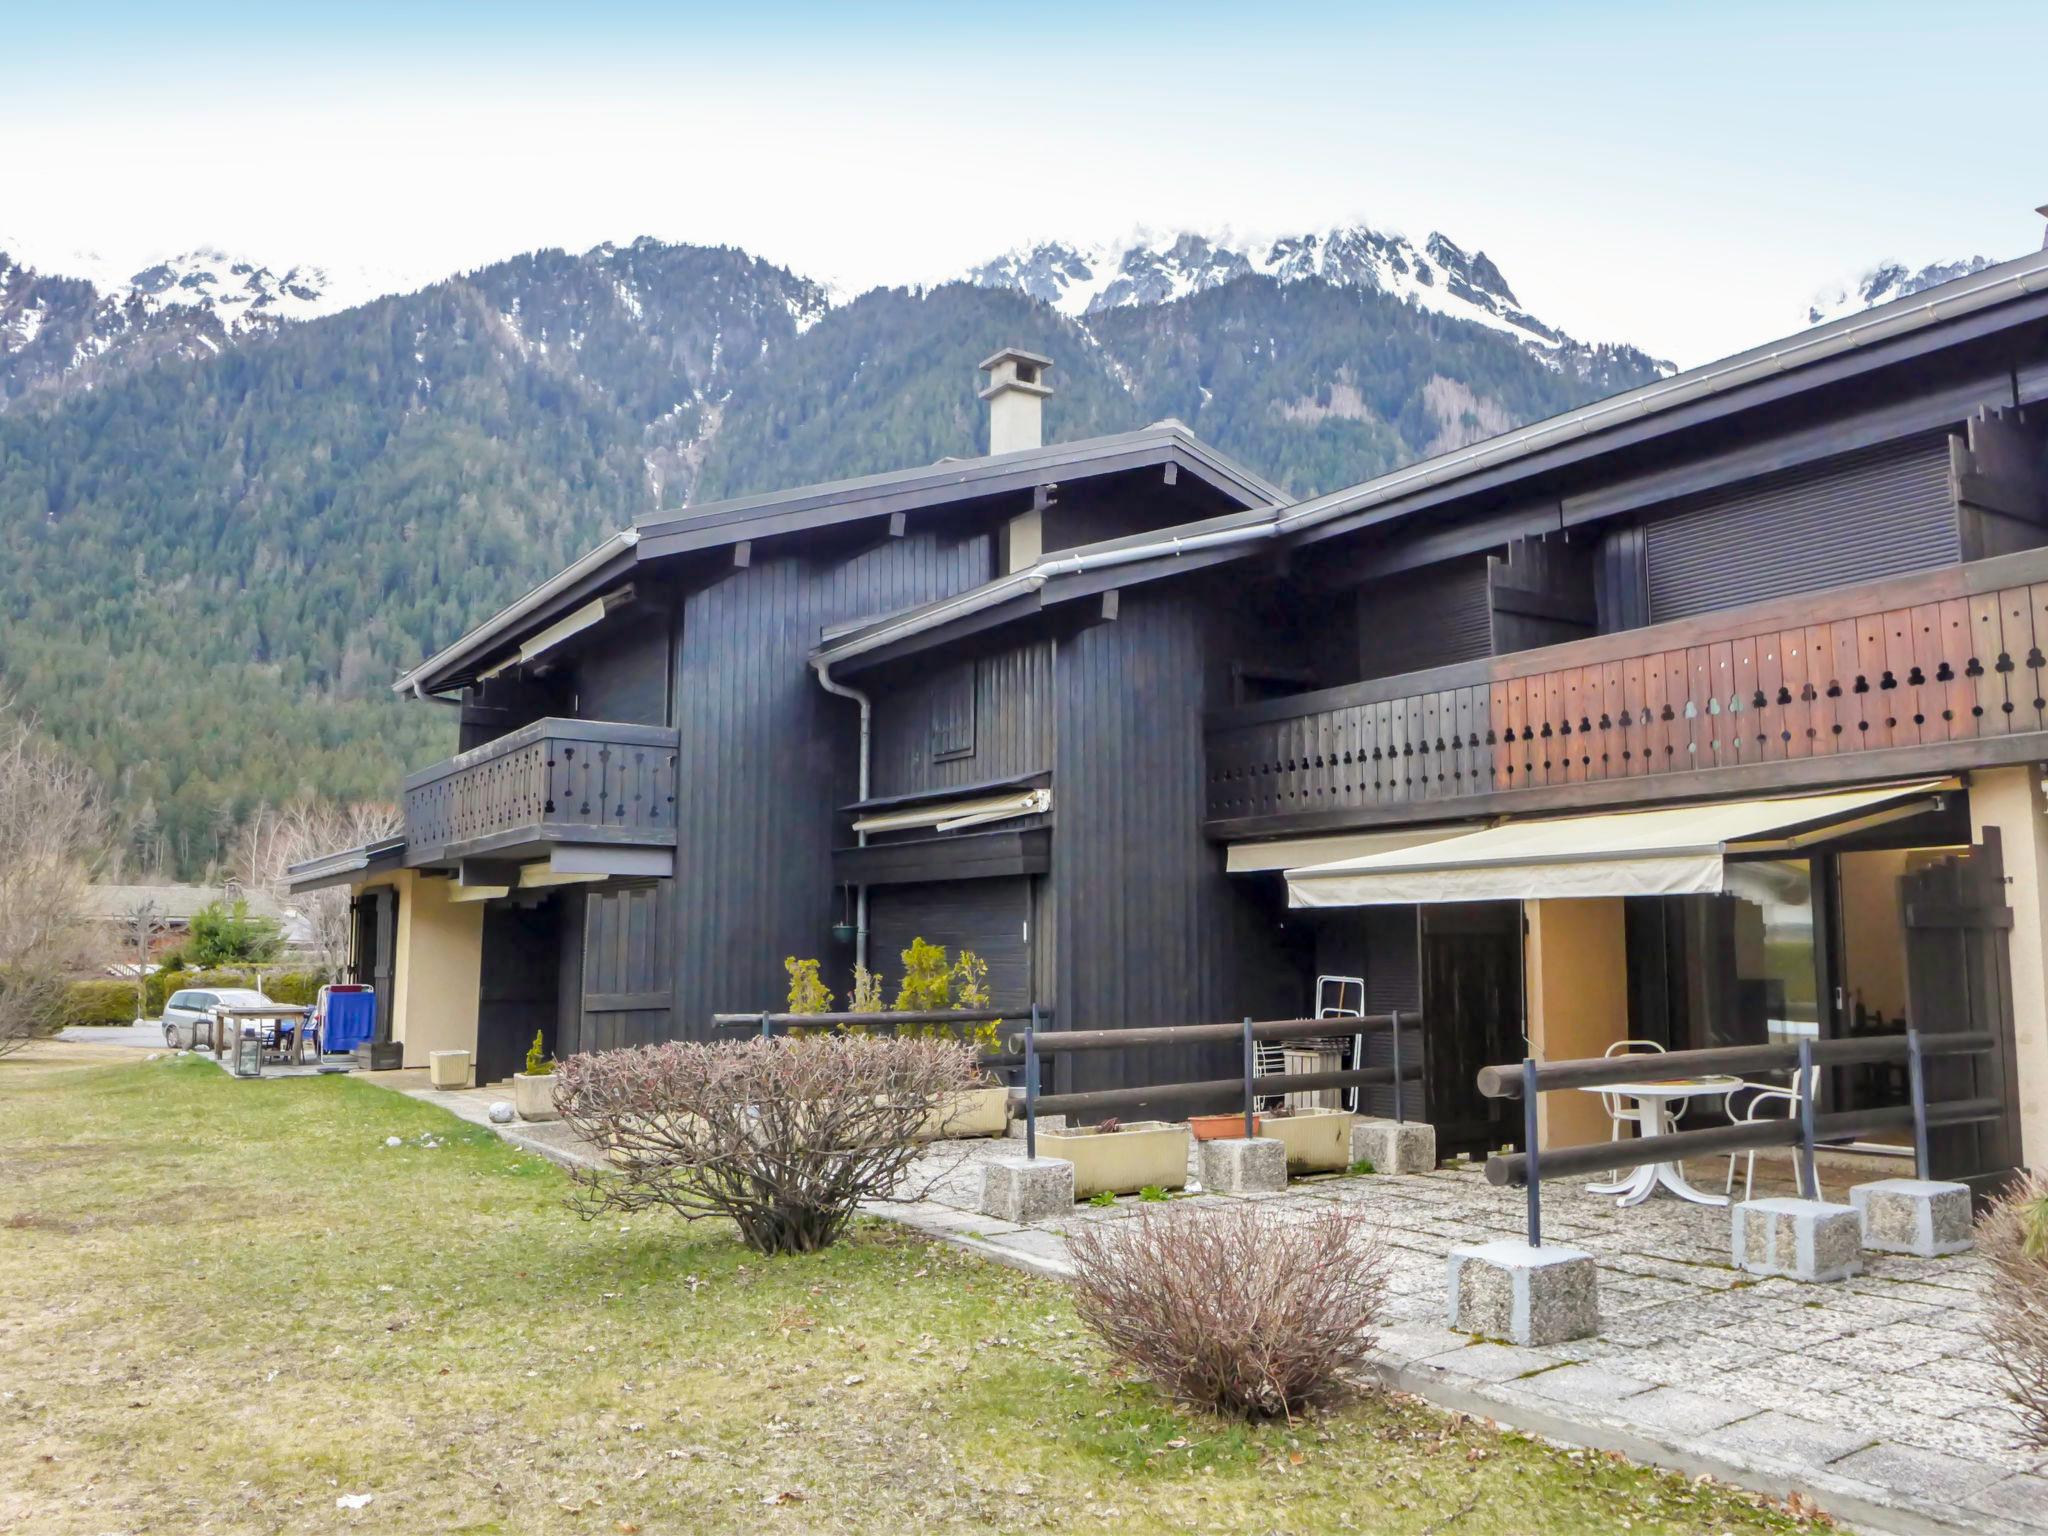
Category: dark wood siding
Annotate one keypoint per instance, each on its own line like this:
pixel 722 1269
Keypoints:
pixel 624 971
pixel 986 916
pixel 624 676
pixel 1861 517
pixel 1426 618
pixel 518 997
pixel 1011 730
pixel 767 757
pixel 1148 927
pixel 1380 945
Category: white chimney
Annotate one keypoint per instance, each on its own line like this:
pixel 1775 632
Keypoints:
pixel 1015 389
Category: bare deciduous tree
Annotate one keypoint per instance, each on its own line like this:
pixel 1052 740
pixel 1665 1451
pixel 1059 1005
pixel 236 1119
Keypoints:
pixel 52 837
pixel 141 926
pixel 277 837
pixel 1244 1310
pixel 784 1137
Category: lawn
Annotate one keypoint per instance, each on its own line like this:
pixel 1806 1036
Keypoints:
pixel 225 1306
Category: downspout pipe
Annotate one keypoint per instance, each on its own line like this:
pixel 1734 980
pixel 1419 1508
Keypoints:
pixel 867 716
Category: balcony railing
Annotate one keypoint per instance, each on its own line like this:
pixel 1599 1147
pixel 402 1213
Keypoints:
pixel 554 781
pixel 1938 670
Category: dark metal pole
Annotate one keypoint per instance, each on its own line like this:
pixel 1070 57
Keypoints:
pixel 1531 1151
pixel 1250 1129
pixel 1916 1077
pixel 767 1029
pixel 1809 1174
pixel 1400 1093
pixel 1031 1085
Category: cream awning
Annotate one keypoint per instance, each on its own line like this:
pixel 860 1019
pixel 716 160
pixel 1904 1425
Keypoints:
pixel 951 815
pixel 1293 852
pixel 1675 852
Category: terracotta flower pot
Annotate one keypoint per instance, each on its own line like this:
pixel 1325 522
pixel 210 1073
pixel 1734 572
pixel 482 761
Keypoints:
pixel 1229 1127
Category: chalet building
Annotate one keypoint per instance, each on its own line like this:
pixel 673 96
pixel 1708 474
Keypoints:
pixel 1711 713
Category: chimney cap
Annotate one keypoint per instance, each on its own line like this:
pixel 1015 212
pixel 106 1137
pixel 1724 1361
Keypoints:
pixel 1017 354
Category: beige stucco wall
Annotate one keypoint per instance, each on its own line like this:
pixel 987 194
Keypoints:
pixel 1575 979
pixel 438 967
pixel 2010 800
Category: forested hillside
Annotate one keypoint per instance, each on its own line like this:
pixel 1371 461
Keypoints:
pixel 212 565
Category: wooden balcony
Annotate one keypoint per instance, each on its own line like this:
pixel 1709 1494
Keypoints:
pixel 1932 672
pixel 548 784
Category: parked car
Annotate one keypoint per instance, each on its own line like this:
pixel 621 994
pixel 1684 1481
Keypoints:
pixel 188 1016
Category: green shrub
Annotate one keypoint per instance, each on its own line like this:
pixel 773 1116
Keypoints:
pixel 807 990
pixel 100 1002
pixel 538 1062
pixel 221 934
pixel 296 987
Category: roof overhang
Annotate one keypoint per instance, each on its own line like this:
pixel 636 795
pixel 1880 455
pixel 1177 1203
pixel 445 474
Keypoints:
pixel 1678 851
pixel 347 867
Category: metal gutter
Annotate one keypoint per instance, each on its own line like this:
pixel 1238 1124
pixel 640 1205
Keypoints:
pixel 619 543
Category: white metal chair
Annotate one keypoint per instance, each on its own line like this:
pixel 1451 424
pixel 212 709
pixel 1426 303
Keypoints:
pixel 1621 1109
pixel 1761 1096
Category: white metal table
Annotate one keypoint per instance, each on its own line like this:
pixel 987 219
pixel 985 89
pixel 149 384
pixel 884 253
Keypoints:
pixel 1659 1102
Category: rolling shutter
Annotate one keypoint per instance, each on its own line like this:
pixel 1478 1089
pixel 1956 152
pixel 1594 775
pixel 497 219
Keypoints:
pixel 1860 517
pixel 1426 618
pixel 986 916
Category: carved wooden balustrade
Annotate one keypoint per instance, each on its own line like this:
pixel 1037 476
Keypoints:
pixel 1938 670
pixel 572 781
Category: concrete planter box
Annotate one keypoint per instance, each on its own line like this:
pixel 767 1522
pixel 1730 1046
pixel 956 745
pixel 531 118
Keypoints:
pixel 1148 1152
pixel 533 1095
pixel 1317 1140
pixel 974 1112
pixel 448 1069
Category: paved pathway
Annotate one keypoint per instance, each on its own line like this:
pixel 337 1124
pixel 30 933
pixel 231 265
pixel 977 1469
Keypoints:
pixel 143 1032
pixel 1877 1397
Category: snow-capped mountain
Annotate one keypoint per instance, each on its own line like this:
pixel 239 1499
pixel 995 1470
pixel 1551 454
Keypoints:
pixel 241 291
pixel 1440 275
pixel 1886 281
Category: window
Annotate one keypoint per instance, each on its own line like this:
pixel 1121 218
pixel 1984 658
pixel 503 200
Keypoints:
pixel 953 716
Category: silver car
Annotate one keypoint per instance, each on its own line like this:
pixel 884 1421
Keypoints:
pixel 188 1016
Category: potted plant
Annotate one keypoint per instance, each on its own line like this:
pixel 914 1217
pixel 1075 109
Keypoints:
pixel 1224 1127
pixel 1317 1140
pixel 533 1091
pixel 1122 1159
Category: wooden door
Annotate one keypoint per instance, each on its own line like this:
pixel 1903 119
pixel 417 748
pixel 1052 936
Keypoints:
pixel 517 995
pixel 374 940
pixel 1471 1018
pixel 1959 978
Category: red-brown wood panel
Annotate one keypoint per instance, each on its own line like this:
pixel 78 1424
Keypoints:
pixel 1871 731
pixel 1503 752
pixel 1747 723
pixel 1549 743
pixel 1698 748
pixel 1930 693
pixel 1768 729
pixel 1635 707
pixel 1723 727
pixel 2032 705
pixel 2015 642
pixel 1986 643
pixel 1612 759
pixel 1796 721
pixel 1900 699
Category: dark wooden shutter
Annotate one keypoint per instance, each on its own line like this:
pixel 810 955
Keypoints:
pixel 1856 518
pixel 627 944
pixel 1959 978
pixel 1426 618
pixel 986 916
pixel 953 716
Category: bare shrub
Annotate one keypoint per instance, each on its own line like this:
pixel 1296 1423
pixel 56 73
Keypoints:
pixel 784 1137
pixel 277 837
pixel 1242 1310
pixel 2014 1237
pixel 53 832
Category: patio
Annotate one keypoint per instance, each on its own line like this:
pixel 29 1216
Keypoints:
pixel 1875 1396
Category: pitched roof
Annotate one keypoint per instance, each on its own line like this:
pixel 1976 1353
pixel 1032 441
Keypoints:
pixel 803 508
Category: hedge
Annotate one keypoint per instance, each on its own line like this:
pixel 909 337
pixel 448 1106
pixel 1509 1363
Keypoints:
pixel 100 1002
pixel 293 987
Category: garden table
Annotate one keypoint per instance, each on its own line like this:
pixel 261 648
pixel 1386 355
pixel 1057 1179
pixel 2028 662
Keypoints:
pixel 1660 1102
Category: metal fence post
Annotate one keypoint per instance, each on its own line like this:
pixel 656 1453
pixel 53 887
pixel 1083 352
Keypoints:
pixel 1809 1174
pixel 1532 1152
pixel 1031 1086
pixel 1250 1129
pixel 1916 1077
pixel 767 1029
pixel 1400 1088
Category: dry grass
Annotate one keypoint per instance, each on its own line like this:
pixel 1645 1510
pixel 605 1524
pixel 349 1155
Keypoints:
pixel 227 1304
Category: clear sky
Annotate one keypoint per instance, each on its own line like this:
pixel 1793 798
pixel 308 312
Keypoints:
pixel 1683 177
